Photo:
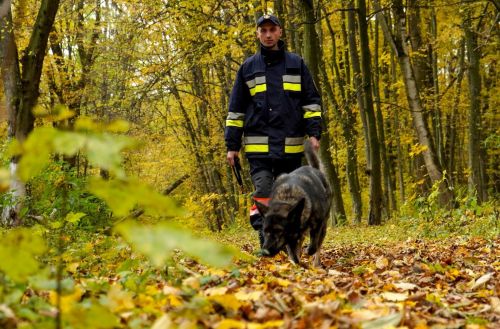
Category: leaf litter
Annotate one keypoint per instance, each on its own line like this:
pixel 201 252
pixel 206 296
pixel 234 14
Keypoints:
pixel 452 283
pixel 415 284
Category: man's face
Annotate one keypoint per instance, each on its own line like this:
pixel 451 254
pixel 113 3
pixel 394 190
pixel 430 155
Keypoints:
pixel 269 35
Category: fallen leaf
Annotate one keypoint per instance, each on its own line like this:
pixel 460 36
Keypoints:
pixel 394 296
pixel 119 299
pixel 192 282
pixel 250 296
pixel 405 286
pixel 482 280
pixel 391 320
pixel 231 324
pixel 229 302
pixel 163 322
pixel 381 262
pixel 335 273
pixel 216 291
pixel 495 304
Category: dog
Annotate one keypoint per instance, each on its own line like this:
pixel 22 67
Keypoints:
pixel 300 203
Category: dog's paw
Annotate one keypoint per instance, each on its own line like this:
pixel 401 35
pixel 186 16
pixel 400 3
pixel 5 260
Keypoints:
pixel 311 250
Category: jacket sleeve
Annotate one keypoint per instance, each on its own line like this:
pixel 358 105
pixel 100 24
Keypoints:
pixel 311 103
pixel 238 103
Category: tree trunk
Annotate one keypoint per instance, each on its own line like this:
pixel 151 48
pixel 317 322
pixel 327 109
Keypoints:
pixel 451 135
pixel 398 44
pixel 376 202
pixel 477 184
pixel 22 88
pixel 397 137
pixel 347 120
pixel 357 80
pixel 311 53
pixel 437 121
pixel 389 200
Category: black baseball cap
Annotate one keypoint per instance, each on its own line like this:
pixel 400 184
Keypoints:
pixel 268 18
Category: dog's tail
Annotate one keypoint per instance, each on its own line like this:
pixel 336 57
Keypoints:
pixel 311 155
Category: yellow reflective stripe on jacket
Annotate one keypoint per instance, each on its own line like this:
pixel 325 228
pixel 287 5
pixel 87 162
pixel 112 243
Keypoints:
pixel 311 111
pixel 294 148
pixel 249 148
pixel 257 85
pixel 235 119
pixel 258 89
pixel 256 144
pixel 308 115
pixel 291 82
pixel 294 144
pixel 292 86
pixel 234 123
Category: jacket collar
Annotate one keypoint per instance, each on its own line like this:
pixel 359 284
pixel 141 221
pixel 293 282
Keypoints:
pixel 273 56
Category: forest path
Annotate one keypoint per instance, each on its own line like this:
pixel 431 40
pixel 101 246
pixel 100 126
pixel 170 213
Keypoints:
pixel 416 284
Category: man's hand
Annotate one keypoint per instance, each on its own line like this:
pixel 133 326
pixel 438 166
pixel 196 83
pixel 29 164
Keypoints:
pixel 231 155
pixel 314 143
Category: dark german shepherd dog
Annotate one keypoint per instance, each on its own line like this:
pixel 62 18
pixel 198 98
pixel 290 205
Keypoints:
pixel 300 202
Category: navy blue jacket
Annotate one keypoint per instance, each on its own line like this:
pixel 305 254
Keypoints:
pixel 274 104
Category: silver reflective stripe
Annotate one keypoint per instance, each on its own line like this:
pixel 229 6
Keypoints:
pixel 235 116
pixel 256 81
pixel 291 78
pixel 294 140
pixel 312 107
pixel 256 140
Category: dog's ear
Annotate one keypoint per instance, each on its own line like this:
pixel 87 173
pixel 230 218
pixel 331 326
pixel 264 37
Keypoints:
pixel 296 212
pixel 263 209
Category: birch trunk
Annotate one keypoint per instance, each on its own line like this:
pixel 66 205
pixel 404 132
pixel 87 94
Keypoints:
pixel 22 87
pixel 397 42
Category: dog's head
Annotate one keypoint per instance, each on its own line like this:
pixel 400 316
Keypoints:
pixel 281 224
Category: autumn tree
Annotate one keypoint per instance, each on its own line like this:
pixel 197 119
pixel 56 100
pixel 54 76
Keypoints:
pixel 21 79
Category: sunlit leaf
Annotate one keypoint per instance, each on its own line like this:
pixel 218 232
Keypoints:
pixel 158 241
pixel 123 195
pixel 18 252
pixel 67 302
pixel 118 126
pixel 118 300
pixel 103 150
pixel 74 218
pixel 394 296
pixel 36 152
pixel 229 302
pixel 163 322
pixel 482 280
pixel 68 143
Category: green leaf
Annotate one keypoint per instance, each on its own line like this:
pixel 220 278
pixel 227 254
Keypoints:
pixel 69 143
pixel 118 126
pixel 74 218
pixel 36 152
pixel 104 151
pixel 123 195
pixel 158 241
pixel 18 252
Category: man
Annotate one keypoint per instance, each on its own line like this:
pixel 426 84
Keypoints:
pixel 274 105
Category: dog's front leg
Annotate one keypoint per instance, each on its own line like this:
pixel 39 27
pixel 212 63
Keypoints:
pixel 316 260
pixel 293 253
pixel 317 236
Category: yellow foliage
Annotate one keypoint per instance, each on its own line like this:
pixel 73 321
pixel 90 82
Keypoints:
pixel 67 302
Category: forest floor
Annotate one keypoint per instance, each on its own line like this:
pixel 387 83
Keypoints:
pixel 417 283
pixel 372 277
